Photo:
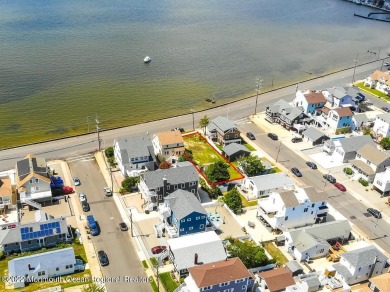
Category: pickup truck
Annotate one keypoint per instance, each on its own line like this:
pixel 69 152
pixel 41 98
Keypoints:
pixel 92 225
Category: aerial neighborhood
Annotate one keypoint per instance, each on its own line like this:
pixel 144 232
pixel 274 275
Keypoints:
pixel 222 207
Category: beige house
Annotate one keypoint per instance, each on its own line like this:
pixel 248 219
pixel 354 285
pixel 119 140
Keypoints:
pixel 168 146
pixel 379 80
pixel 7 196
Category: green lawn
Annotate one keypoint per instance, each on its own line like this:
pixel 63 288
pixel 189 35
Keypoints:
pixel 247 203
pixel 169 284
pixel 373 91
pixel 248 146
pixel 276 254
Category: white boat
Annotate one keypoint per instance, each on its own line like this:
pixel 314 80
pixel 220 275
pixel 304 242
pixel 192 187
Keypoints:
pixel 147 59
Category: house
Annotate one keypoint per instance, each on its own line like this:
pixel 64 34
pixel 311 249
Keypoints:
pixel 361 264
pixel 380 283
pixel 310 101
pixel 276 280
pixel 295 268
pixel 234 151
pixel 134 155
pixel 263 185
pixel 194 250
pixel 286 115
pixel 32 179
pixel 359 121
pixel 41 266
pixel 339 119
pixel 314 136
pixel 46 231
pixel 182 214
pixel 293 208
pixel 314 241
pixel 382 182
pixel 7 196
pixel 168 146
pixel 156 185
pixel 379 80
pixel 223 131
pixel 370 161
pixel 229 275
pixel 344 149
pixel 381 127
pixel 305 283
pixel 340 97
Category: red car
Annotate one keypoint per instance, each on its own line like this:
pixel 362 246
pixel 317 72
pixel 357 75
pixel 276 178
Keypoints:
pixel 340 186
pixel 67 190
pixel 158 249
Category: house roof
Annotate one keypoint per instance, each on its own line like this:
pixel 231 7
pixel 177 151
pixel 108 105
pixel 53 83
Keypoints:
pixel 354 143
pixel 219 272
pixel 377 75
pixel 384 117
pixel 271 181
pixel 293 266
pixel 315 97
pixel 371 153
pixel 170 137
pixel 285 109
pixel 233 148
pixel 338 92
pixel 312 281
pixel 325 110
pixel 343 112
pixel 314 195
pixel 277 279
pixel 5 186
pixel 174 176
pixel 363 166
pixel 382 282
pixel 31 167
pixel 361 118
pixel 221 124
pixel 342 270
pixel 313 133
pixel 289 199
pixel 304 241
pixel 183 203
pixel 363 256
pixel 130 147
pixel 41 261
pixel 207 245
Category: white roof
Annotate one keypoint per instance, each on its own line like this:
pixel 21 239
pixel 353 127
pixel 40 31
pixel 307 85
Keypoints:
pixel 207 245
pixel 272 181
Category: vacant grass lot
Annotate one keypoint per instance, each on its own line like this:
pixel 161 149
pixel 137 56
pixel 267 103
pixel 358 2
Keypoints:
pixel 203 153
pixel 373 91
pixel 169 284
pixel 276 254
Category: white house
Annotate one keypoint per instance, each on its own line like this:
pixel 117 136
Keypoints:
pixel 382 182
pixel 169 145
pixel 295 208
pixel 379 80
pixel 361 264
pixel 359 121
pixel 263 185
pixel 42 266
pixel 382 126
pixel 338 97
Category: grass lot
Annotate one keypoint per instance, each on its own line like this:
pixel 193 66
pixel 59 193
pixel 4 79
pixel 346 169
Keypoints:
pixel 154 261
pixel 248 146
pixel 373 91
pixel 276 254
pixel 169 284
pixel 247 203
pixel 203 153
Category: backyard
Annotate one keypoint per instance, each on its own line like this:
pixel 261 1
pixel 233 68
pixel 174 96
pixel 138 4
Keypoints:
pixel 204 154
pixel 275 253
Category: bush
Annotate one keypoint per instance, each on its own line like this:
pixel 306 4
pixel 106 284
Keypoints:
pixel 129 183
pixel 348 171
pixel 363 182
pixel 109 152
pixel 165 165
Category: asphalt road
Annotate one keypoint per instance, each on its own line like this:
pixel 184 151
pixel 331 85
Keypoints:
pixel 121 253
pixel 65 148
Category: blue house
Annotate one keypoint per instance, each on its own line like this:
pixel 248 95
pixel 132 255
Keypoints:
pixel 182 214
pixel 310 101
pixel 340 119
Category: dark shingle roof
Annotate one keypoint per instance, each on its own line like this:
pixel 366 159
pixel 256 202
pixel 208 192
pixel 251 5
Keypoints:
pixel 131 147
pixel 174 176
pixel 233 148
pixel 222 124
pixel 313 133
pixel 183 203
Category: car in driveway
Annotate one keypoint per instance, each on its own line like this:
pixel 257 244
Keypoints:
pixel 385 108
pixel 123 226
pixel 312 165
pixel 103 258
pixel 82 197
pixel 296 171
pixel 76 181
pixel 85 206
pixel 107 192
pixel 273 136
pixel 340 186
pixel 158 249
pixel 374 212
pixel 296 140
pixel 329 178
pixel 250 136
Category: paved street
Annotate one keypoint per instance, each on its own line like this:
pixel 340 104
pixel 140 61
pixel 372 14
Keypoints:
pixel 122 256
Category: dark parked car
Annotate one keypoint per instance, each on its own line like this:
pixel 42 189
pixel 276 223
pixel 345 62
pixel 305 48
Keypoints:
pixel 329 178
pixel 103 258
pixel 386 109
pixel 180 129
pixel 158 249
pixel 273 136
pixel 360 97
pixel 312 165
pixel 296 171
pixel 251 136
pixel 123 226
pixel 340 187
pixel 374 212
pixel 296 140
pixel 85 206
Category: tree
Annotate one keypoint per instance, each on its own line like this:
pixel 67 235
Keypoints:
pixel 233 200
pixel 251 165
pixel 251 255
pixel 215 192
pixel 204 122
pixel 385 143
pixel 93 287
pixel 129 183
pixel 109 152
pixel 217 171
pixel 165 165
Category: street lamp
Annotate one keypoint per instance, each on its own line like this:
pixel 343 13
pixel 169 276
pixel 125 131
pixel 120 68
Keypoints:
pixel 193 119
pixel 354 68
pixel 259 86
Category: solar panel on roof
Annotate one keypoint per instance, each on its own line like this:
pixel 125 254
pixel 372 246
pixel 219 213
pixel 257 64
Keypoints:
pixel 58 230
pixel 51 231
pixel 45 226
pixel 51 225
pixel 30 235
pixel 24 236
pixel 57 224
pixel 46 232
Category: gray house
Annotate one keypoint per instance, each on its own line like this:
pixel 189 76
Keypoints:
pixel 223 131
pixel 41 266
pixel 156 185
pixel 314 136
pixel 234 151
pixel 359 121
pixel 46 231
pixel 134 155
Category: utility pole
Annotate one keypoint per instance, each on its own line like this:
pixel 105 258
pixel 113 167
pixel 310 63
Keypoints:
pixel 112 181
pixel 131 223
pixel 97 130
pixel 259 86
pixel 193 119
pixel 354 68
pixel 277 155
pixel 157 277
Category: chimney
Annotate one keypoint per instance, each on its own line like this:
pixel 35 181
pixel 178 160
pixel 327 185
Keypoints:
pixel 29 267
pixel 196 259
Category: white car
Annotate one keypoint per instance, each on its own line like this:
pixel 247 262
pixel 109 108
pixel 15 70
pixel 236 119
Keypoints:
pixel 82 197
pixel 107 192
pixel 76 181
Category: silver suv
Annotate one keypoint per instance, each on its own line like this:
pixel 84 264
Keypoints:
pixel 107 192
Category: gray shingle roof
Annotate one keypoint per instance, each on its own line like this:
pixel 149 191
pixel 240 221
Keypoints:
pixel 312 282
pixel 313 133
pixel 354 143
pixel 371 153
pixel 360 118
pixel 233 148
pixel 221 124
pixel 293 266
pixel 314 195
pixel 384 117
pixel 363 256
pixel 178 175
pixel 183 203
pixel 46 260
pixel 338 92
pixel 289 199
pixel 272 181
pixel 131 147
pixel 342 270
pixel 304 241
